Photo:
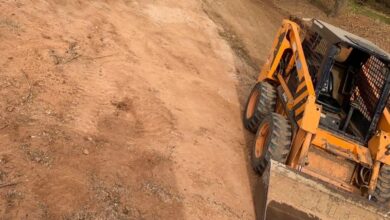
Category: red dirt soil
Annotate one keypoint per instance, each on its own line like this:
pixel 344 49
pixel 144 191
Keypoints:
pixel 119 110
pixel 128 109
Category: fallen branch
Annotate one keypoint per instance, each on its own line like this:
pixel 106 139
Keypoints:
pixel 100 57
pixel 71 59
pixel 29 89
pixel 8 184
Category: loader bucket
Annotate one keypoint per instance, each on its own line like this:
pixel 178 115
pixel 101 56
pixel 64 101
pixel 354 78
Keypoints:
pixel 282 193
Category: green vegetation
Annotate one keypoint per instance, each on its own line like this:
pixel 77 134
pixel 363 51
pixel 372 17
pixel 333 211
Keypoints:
pixel 369 12
pixel 374 9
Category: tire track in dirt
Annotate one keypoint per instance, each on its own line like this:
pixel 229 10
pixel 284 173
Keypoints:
pixel 49 134
pixel 133 114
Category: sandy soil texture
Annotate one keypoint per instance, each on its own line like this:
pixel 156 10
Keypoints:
pixel 120 110
pixel 128 109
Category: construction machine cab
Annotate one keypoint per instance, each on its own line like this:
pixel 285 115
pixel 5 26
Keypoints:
pixel 321 107
pixel 351 79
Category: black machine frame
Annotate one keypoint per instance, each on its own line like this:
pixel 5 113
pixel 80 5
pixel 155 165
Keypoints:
pixel 321 45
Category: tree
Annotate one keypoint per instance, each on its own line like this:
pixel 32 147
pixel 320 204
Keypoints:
pixel 338 7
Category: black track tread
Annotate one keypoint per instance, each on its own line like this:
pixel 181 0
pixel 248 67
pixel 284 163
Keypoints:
pixel 278 144
pixel 382 190
pixel 280 139
pixel 265 105
pixel 383 184
pixel 384 178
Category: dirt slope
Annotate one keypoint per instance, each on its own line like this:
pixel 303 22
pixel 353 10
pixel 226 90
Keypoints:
pixel 123 110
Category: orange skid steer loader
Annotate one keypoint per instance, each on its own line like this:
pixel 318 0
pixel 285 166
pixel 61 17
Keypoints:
pixel 320 113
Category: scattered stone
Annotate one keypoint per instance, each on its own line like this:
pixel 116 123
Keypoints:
pixel 85 151
pixel 10 108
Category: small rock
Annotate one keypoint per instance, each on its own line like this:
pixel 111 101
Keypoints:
pixel 85 151
pixel 10 108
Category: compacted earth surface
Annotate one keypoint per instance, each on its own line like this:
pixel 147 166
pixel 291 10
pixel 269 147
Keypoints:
pixel 129 109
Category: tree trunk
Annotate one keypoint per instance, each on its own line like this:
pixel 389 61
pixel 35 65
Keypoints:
pixel 338 7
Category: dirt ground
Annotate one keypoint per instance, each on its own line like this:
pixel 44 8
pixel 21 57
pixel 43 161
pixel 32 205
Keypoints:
pixel 119 110
pixel 128 109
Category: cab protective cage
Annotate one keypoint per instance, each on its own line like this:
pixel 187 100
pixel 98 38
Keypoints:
pixel 370 75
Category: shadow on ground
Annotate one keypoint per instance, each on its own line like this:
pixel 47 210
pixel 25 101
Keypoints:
pixel 247 70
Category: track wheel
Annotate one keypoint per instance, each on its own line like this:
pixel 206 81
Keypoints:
pixel 261 102
pixel 273 141
pixel 382 191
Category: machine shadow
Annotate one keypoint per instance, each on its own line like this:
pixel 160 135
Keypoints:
pixel 246 80
pixel 259 184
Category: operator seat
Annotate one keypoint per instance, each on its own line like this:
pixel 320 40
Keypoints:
pixel 325 97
